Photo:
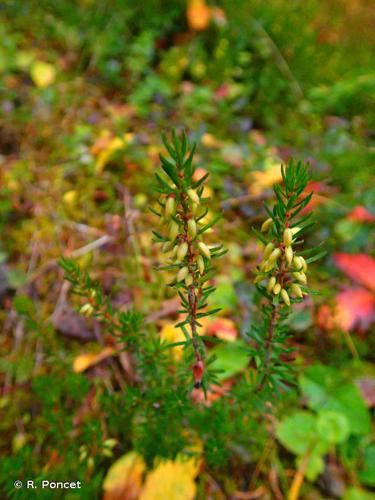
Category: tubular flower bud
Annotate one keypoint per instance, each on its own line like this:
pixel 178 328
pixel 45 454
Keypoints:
pixel 268 250
pixel 275 255
pixel 268 265
pixel 271 283
pixel 295 230
pixel 193 196
pixel 188 280
pixel 194 208
pixel 288 254
pixel 301 277
pixel 285 297
pixel 86 310
pixel 266 225
pixel 173 230
pixel 296 289
pixel 204 250
pixel 297 263
pixel 175 250
pixel 182 251
pixel 258 279
pixel 182 273
pixel 277 289
pixel 288 237
pixel 200 264
pixel 166 246
pixel 192 228
pixel 303 263
pixel 170 207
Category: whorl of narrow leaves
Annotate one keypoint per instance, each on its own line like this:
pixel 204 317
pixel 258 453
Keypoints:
pixel 281 276
pixel 124 325
pixel 183 219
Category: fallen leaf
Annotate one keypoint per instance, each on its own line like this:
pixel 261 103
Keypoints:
pixel 198 15
pixel 42 74
pixel 359 267
pixel 360 214
pixel 170 334
pixel 209 141
pixel 104 156
pixel 105 145
pixel 71 324
pixel 264 179
pixel 222 328
pixel 355 309
pixel 317 188
pixel 171 480
pixel 84 361
pixel 124 478
pixel 325 319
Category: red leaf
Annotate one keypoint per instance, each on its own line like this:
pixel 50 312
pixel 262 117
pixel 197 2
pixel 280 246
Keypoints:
pixel 320 190
pixel 360 214
pixel 355 309
pixel 359 267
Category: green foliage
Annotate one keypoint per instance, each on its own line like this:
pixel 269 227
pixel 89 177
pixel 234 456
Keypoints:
pixel 324 388
pixel 285 272
pixel 184 210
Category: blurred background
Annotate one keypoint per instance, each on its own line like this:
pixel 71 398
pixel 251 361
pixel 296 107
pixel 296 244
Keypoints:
pixel 86 90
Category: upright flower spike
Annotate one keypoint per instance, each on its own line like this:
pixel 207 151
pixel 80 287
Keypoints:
pixel 184 225
pixel 282 266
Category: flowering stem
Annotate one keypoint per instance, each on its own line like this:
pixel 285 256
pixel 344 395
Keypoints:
pixel 192 295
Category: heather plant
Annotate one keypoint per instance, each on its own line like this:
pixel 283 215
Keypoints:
pixel 281 276
pixel 158 394
pixel 184 222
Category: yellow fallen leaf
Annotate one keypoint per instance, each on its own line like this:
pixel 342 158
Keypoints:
pixel 198 15
pixel 170 334
pixel 264 179
pixel 171 481
pixel 83 361
pixel 42 74
pixel 209 141
pixel 70 197
pixel 104 156
pixel 124 478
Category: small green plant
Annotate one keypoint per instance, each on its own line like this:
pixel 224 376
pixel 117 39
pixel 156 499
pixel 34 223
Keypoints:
pixel 183 217
pixel 281 277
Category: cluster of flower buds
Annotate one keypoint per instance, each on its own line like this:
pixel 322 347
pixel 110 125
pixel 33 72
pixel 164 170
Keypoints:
pixel 184 219
pixel 283 268
pixel 186 222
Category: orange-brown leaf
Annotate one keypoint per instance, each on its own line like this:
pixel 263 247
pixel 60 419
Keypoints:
pixel 222 328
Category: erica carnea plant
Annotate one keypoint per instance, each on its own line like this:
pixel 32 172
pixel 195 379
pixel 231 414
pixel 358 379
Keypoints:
pixel 282 275
pixel 183 214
